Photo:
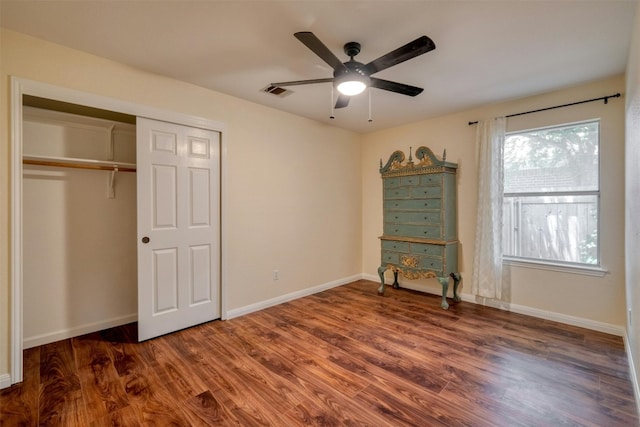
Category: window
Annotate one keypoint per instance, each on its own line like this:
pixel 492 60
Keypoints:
pixel 551 194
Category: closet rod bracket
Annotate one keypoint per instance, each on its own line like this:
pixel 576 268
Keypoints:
pixel 111 143
pixel 112 183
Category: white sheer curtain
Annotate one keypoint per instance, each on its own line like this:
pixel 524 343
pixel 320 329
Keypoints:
pixel 487 260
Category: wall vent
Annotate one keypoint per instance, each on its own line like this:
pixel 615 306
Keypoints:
pixel 277 91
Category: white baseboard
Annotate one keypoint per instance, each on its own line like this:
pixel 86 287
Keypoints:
pixel 5 381
pixel 632 369
pixel 237 312
pixel 371 277
pixel 520 309
pixel 29 342
pixel 580 322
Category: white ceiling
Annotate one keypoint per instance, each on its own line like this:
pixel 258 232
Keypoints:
pixel 486 51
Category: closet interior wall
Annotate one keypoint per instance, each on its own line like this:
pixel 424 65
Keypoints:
pixel 79 226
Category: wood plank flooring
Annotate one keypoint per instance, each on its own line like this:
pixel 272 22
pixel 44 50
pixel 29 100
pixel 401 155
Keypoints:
pixel 343 357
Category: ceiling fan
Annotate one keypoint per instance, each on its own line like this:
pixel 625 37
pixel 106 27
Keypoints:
pixel 353 77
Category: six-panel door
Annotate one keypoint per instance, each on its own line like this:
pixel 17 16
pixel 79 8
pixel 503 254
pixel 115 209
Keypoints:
pixel 178 227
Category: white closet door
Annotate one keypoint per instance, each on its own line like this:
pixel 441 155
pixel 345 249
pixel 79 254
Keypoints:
pixel 178 227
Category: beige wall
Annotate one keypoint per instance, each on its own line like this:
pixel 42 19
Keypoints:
pixel 632 187
pixel 293 185
pixel 553 294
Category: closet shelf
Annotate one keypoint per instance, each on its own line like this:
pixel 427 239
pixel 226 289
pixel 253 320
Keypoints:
pixel 70 162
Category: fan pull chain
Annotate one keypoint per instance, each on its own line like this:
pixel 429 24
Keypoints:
pixel 332 116
pixel 370 118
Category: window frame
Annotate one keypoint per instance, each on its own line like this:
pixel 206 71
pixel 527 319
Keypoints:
pixel 558 265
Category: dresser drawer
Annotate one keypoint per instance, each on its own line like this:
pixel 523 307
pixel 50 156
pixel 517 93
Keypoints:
pixel 391 182
pixel 407 230
pixel 429 217
pixel 392 245
pixel 410 180
pixel 431 179
pixel 426 192
pixel 412 204
pixel 425 249
pixel 434 264
pixel 390 258
pixel 397 193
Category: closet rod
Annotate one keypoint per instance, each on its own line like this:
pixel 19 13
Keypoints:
pixel 62 164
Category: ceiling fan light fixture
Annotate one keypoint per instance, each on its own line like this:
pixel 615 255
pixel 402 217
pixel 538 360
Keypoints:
pixel 352 77
pixel 351 87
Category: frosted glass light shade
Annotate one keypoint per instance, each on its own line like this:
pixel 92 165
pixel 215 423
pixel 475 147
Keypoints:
pixel 351 87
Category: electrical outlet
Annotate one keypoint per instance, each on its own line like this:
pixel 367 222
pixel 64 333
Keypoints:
pixel 276 274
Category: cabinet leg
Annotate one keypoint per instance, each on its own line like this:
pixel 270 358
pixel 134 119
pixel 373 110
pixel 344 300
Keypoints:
pixel 456 281
pixel 444 282
pixel 381 271
pixel 396 285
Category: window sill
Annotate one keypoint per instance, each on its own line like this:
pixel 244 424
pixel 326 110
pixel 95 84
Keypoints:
pixel 551 266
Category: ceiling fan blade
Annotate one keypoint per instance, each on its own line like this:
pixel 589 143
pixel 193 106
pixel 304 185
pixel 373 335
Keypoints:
pixel 343 101
pixel 312 42
pixel 302 82
pixel 415 48
pixel 400 88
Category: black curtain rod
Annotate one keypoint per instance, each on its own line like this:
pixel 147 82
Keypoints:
pixel 605 98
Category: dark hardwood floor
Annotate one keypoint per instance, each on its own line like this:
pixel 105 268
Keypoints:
pixel 343 357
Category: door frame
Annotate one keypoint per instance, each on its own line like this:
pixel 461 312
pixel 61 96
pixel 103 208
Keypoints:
pixel 19 87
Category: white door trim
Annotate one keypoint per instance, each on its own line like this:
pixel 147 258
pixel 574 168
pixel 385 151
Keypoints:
pixel 20 87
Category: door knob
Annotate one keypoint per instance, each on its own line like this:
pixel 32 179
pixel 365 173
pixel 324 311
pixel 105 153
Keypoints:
pixel 145 239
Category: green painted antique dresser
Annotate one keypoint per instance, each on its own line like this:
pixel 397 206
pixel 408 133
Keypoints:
pixel 420 222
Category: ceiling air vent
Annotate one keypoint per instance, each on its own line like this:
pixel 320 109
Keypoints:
pixel 277 91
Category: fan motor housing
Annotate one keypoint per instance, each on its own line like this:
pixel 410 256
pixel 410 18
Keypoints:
pixel 353 72
pixel 352 49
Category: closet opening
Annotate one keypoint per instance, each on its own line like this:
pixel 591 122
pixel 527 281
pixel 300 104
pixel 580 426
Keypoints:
pixel 78 220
